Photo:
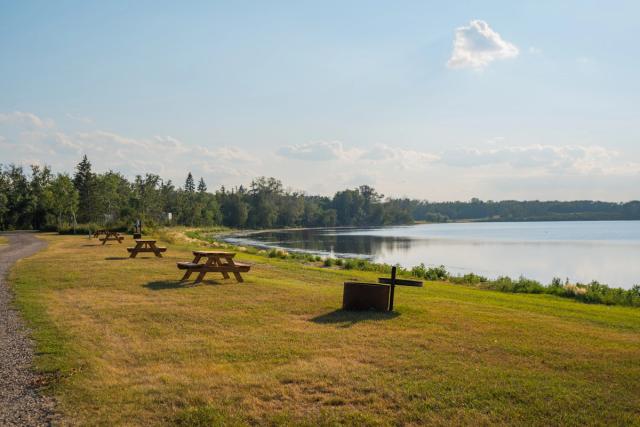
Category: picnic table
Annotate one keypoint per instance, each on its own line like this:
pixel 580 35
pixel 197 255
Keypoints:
pixel 111 235
pixel 146 245
pixel 97 233
pixel 215 262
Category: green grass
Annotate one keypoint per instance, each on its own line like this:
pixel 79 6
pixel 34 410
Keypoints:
pixel 124 343
pixel 4 240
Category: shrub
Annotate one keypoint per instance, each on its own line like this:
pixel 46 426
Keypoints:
pixel 349 264
pixel 328 262
pixel 430 273
pixel 90 228
pixel 469 278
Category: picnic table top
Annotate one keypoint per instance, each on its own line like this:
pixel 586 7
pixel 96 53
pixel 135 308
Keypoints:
pixel 206 253
pixel 145 240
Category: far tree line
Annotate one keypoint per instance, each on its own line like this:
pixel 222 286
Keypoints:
pixel 47 201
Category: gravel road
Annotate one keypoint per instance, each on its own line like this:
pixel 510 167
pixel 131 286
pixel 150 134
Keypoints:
pixel 20 402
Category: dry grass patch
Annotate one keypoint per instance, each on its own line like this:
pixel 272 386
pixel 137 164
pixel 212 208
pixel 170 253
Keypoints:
pixel 130 345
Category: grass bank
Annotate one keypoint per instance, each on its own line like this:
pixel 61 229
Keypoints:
pixel 4 240
pixel 125 343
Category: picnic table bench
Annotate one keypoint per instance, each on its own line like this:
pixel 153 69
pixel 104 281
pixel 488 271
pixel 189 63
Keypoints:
pixel 111 235
pixel 215 262
pixel 146 245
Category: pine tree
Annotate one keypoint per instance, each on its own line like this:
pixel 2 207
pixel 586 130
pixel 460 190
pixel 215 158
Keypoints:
pixel 202 187
pixel 189 185
pixel 83 180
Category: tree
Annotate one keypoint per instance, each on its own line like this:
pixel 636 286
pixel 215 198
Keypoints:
pixel 84 181
pixel 146 192
pixel 235 210
pixel 264 195
pixel 189 185
pixel 202 187
pixel 40 195
pixel 113 196
pixel 19 204
pixel 64 199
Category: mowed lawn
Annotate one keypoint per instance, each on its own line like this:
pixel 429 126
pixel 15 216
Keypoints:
pixel 125 344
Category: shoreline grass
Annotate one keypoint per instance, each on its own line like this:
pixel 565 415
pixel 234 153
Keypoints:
pixel 124 343
pixel 592 293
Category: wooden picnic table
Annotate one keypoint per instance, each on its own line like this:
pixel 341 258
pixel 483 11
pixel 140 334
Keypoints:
pixel 146 245
pixel 111 235
pixel 97 233
pixel 215 262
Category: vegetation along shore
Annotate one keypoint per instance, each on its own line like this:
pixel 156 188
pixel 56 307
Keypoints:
pixel 45 200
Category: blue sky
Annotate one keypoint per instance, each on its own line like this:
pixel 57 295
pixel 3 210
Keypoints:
pixel 526 100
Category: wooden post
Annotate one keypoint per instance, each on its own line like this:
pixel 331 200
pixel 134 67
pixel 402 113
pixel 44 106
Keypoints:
pixel 393 287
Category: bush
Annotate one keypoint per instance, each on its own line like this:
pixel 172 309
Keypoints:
pixel 328 262
pixel 431 273
pixel 469 278
pixel 90 228
pixel 349 264
pixel 522 285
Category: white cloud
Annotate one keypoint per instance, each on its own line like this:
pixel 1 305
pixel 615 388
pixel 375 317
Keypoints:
pixel 405 159
pixel 27 138
pixel 477 45
pixel 227 154
pixel 377 155
pixel 29 119
pixel 319 151
pixel 545 159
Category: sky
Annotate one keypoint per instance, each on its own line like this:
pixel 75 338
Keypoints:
pixel 430 100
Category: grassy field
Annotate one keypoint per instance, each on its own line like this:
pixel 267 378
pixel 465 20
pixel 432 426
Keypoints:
pixel 4 240
pixel 124 343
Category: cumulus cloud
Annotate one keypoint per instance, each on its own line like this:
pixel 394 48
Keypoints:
pixel 377 155
pixel 25 138
pixel 319 151
pixel 547 159
pixel 405 159
pixel 477 45
pixel 28 119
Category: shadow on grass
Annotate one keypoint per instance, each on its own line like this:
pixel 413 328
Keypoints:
pixel 116 258
pixel 349 318
pixel 177 284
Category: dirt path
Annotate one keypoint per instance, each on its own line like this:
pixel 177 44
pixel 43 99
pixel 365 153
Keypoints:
pixel 20 402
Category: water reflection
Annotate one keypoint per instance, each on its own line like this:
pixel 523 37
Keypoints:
pixel 582 251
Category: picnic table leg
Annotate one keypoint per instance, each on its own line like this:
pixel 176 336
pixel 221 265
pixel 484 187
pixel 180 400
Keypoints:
pixel 104 242
pixel 134 252
pixel 155 250
pixel 235 273
pixel 200 277
pixel 218 262
pixel 187 273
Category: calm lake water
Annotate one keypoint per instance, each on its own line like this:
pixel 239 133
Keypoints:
pixel 607 251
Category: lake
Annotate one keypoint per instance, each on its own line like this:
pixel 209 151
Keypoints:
pixel 607 251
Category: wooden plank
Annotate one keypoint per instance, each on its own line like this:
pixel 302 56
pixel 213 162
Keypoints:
pixel 223 268
pixel 402 282
pixel 189 265
pixel 210 253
